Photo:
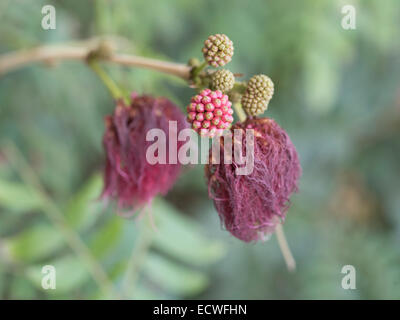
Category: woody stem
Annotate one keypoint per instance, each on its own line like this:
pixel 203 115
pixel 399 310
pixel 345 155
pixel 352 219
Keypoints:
pixel 50 53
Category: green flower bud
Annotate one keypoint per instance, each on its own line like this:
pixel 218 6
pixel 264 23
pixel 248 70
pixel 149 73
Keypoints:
pixel 260 89
pixel 222 80
pixel 218 50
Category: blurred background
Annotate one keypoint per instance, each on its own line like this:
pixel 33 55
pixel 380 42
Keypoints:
pixel 337 93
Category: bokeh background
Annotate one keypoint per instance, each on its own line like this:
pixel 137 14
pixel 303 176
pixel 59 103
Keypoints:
pixel 337 93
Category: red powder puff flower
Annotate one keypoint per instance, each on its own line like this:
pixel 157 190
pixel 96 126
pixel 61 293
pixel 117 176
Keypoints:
pixel 251 206
pixel 129 178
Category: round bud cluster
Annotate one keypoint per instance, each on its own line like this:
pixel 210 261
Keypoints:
pixel 210 112
pixel 218 50
pixel 222 80
pixel 260 89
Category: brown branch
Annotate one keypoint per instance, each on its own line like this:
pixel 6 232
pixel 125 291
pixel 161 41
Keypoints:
pixel 51 53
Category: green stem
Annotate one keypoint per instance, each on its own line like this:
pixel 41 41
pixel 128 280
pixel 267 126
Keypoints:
pixel 115 91
pixel 239 111
pixel 196 71
pixel 239 87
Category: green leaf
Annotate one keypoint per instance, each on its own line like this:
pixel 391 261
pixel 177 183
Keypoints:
pixel 182 238
pixel 18 197
pixel 84 208
pixel 2 278
pixel 35 243
pixel 144 292
pixel 174 277
pixel 107 236
pixel 22 289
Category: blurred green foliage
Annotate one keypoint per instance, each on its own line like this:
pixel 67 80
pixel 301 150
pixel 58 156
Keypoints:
pixel 337 93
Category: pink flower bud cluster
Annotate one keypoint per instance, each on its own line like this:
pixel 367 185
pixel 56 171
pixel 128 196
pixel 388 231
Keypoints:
pixel 210 112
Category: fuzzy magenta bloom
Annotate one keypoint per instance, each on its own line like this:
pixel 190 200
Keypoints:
pixel 129 177
pixel 210 112
pixel 250 206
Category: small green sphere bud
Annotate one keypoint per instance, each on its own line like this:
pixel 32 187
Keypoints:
pixel 222 80
pixel 260 89
pixel 218 50
pixel 261 86
pixel 253 106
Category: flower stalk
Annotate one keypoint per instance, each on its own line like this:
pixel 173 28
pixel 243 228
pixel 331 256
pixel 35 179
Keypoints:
pixel 285 249
pixel 239 111
pixel 198 69
pixel 115 91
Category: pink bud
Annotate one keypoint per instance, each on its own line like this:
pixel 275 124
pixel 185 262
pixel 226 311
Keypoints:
pixel 200 107
pixel 200 117
pixel 227 118
pixel 218 112
pixel 221 125
pixel 192 116
pixel 206 99
pixel 196 124
pixel 209 115
pixel 216 120
pixel 209 107
pixel 206 124
pixel 224 109
pixel 217 102
pixel 205 92
pixel 191 107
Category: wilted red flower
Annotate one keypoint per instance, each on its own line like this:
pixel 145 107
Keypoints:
pixel 129 178
pixel 250 206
